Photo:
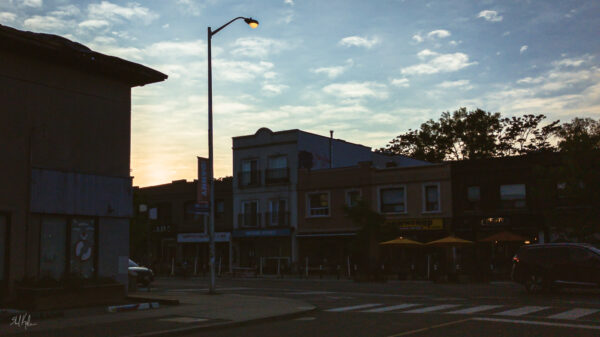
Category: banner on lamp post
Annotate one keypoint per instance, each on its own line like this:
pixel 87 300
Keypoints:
pixel 203 189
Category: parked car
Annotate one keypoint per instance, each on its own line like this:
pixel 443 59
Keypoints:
pixel 541 266
pixel 144 275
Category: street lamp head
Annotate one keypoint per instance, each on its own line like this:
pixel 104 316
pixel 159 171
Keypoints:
pixel 251 22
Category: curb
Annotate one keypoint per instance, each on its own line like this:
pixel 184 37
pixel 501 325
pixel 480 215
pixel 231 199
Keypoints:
pixel 133 307
pixel 187 330
pixel 164 301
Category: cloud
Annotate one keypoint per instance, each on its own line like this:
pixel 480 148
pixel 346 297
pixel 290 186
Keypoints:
pixel 273 89
pixel 190 7
pixel 166 25
pixel 63 11
pixel 32 3
pixel 417 38
pixel 112 12
pixel 93 24
pixel 289 2
pixel 400 82
pixel 177 48
pixel 523 49
pixel 357 90
pixel 440 64
pixel 358 41
pixel 333 72
pixel 258 47
pixel 455 84
pixel 46 23
pixel 489 15
pixel 7 17
pixel 240 71
pixel 438 34
pixel 426 53
pixel 570 62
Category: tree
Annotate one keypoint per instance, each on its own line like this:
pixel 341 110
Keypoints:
pixel 581 134
pixel 366 243
pixel 474 134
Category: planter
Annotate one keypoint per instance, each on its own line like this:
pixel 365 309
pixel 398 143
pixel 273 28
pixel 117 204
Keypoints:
pixel 34 299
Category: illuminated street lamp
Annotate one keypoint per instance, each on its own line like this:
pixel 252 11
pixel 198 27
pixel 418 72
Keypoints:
pixel 253 24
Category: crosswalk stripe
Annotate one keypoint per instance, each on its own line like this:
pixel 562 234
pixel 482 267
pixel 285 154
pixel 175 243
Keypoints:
pixel 574 313
pixel 521 311
pixel 393 307
pixel 430 309
pixel 362 306
pixel 473 310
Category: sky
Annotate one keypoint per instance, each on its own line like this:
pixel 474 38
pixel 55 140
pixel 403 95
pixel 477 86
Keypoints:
pixel 369 70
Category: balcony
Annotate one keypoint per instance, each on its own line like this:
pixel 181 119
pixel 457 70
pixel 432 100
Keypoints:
pixel 277 176
pixel 249 179
pixel 277 219
pixel 249 220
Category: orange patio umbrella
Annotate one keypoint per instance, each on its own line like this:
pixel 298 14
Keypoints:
pixel 449 241
pixel 401 242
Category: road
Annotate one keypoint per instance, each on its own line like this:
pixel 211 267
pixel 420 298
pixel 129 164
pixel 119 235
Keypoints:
pixel 347 308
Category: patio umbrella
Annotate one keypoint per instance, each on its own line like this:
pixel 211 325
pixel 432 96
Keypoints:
pixel 449 241
pixel 401 242
pixel 504 236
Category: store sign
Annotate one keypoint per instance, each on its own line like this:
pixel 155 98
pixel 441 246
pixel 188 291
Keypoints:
pixel 261 232
pixel 201 237
pixel 203 193
pixel 416 224
pixel 494 221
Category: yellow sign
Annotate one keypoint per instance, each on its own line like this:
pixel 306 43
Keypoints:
pixel 416 224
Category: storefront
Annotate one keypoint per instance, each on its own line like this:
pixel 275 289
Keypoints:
pixel 267 250
pixel 193 252
pixel 327 251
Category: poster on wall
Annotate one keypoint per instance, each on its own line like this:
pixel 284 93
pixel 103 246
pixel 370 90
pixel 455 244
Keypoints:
pixel 82 247
pixel 203 189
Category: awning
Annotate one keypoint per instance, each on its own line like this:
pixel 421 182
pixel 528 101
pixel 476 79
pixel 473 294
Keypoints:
pixel 449 241
pixel 324 235
pixel 401 242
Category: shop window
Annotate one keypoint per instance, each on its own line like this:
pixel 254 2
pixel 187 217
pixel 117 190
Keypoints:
pixel 352 198
pixel 513 196
pixel 53 247
pixel 318 204
pixel 431 197
pixel 473 197
pixel 393 200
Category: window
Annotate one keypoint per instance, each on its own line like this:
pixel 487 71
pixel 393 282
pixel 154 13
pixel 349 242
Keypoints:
pixel 249 175
pixel 53 247
pixel 3 242
pixel 473 197
pixel 318 204
pixel 431 197
pixel 513 196
pixel 277 170
pixel 219 208
pixel 393 200
pixel 277 215
pixel 249 216
pixel 189 212
pixel 352 198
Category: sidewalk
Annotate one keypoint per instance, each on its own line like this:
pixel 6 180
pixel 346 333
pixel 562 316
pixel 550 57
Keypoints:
pixel 195 312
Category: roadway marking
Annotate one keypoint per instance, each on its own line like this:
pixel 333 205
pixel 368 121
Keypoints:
pixel 312 293
pixel 430 309
pixel 184 319
pixel 474 309
pixel 206 289
pixel 362 306
pixel 393 307
pixel 516 321
pixel 430 327
pixel 521 311
pixel 305 319
pixel 574 313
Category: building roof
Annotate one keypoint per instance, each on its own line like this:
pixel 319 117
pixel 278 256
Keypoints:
pixel 60 50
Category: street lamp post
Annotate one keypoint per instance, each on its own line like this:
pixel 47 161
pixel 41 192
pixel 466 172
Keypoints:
pixel 211 229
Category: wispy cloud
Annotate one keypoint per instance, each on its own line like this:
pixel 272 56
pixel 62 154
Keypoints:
pixel 240 71
pixel 258 47
pixel 112 12
pixel 465 84
pixel 523 49
pixel 334 71
pixel 32 3
pixel 94 24
pixel 438 34
pixel 357 90
pixel 288 2
pixel 400 82
pixel 7 17
pixel 440 64
pixel 190 7
pixel 489 15
pixel 426 53
pixel 48 24
pixel 270 89
pixel 418 38
pixel 358 41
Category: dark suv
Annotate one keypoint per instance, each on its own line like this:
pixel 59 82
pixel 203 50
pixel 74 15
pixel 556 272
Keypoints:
pixel 540 266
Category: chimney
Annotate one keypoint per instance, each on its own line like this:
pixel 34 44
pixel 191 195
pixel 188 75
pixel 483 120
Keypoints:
pixel 330 148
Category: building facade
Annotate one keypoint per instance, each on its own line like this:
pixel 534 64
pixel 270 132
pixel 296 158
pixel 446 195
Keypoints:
pixel 66 193
pixel 265 193
pixel 175 234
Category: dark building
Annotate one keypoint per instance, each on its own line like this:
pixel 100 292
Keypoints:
pixel 175 235
pixel 65 184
